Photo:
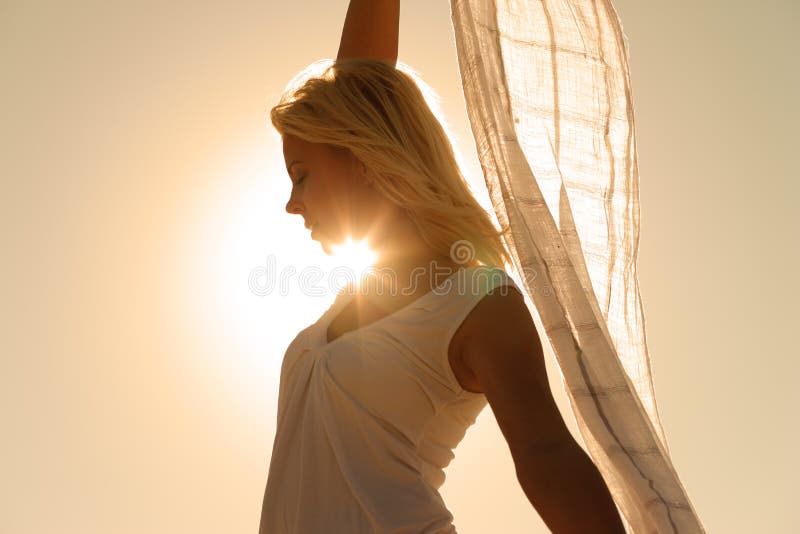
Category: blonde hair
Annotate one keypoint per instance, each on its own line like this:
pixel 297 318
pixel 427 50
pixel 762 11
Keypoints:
pixel 379 113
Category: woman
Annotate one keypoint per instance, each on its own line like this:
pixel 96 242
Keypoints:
pixel 378 392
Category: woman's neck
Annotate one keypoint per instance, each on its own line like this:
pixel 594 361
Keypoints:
pixel 405 262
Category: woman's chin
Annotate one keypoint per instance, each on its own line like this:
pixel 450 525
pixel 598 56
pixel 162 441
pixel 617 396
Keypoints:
pixel 326 249
pixel 316 235
pixel 325 242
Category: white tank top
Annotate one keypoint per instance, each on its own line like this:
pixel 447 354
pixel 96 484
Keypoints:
pixel 368 422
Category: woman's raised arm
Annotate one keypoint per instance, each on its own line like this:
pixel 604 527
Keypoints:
pixel 371 30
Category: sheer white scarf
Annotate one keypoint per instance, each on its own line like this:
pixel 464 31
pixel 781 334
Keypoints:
pixel 549 99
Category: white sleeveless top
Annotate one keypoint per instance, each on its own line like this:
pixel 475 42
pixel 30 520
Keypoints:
pixel 368 422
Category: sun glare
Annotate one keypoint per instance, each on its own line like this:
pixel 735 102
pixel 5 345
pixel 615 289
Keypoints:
pixel 354 255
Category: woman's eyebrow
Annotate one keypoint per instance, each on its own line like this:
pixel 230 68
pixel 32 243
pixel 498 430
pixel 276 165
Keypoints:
pixel 289 168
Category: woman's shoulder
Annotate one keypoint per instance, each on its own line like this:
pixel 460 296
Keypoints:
pixel 500 302
pixel 481 280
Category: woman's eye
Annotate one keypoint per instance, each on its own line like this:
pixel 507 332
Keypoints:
pixel 300 179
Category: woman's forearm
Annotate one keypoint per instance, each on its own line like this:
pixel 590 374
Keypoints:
pixel 371 29
pixel 569 493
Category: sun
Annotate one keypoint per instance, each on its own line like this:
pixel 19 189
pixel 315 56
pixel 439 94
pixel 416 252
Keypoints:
pixel 355 255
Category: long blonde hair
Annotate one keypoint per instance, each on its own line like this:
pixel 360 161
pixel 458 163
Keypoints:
pixel 379 114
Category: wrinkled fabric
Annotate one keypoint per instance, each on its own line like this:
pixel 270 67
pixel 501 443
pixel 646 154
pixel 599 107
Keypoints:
pixel 368 421
pixel 548 95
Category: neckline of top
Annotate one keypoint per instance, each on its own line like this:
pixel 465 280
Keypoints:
pixel 414 303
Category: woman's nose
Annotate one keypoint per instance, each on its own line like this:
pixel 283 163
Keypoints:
pixel 294 206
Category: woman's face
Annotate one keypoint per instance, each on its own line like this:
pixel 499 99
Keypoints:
pixel 330 192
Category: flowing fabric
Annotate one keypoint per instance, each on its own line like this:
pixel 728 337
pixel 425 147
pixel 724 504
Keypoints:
pixel 549 99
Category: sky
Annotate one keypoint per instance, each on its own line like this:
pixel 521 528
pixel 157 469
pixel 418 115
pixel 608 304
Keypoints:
pixel 142 186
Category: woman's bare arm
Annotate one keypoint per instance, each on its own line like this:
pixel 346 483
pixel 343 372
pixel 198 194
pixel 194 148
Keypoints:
pixel 503 350
pixel 371 30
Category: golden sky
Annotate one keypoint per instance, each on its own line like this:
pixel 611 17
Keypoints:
pixel 142 185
